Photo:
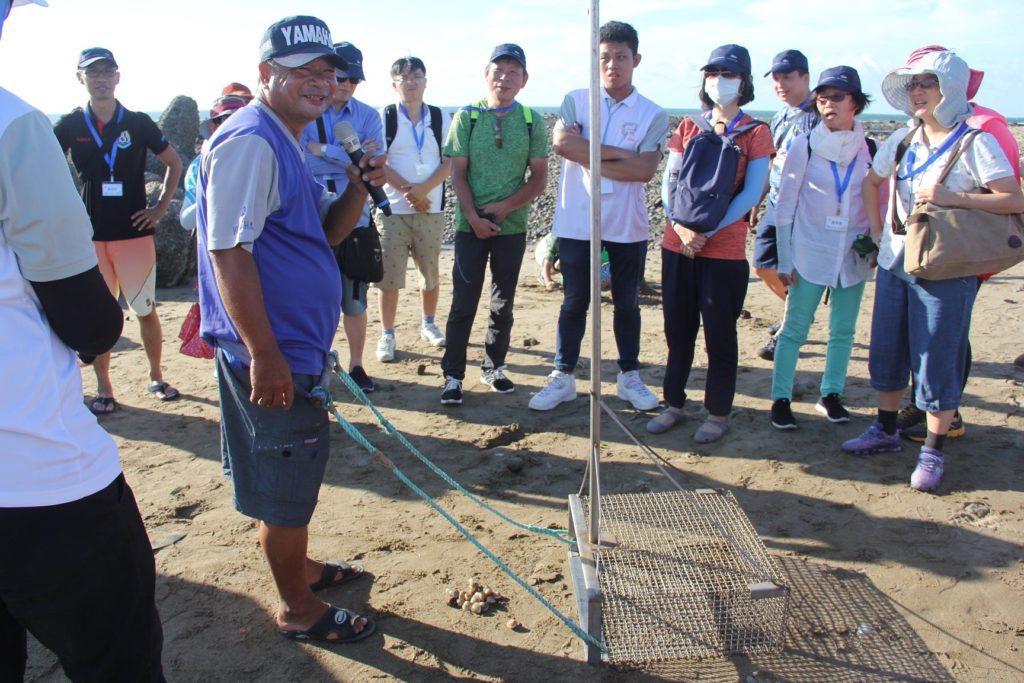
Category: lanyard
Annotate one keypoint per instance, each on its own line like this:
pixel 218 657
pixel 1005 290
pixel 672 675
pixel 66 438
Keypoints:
pixel 611 113
pixel 496 110
pixel 841 188
pixel 421 136
pixel 731 124
pixel 911 157
pixel 112 157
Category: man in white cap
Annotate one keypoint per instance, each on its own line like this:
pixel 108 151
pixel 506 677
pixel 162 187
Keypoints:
pixel 76 569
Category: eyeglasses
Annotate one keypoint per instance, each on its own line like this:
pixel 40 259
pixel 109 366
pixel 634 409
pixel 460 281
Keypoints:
pixel 837 97
pixel 409 79
pixel 99 73
pixel 721 73
pixel 353 81
pixel 498 139
pixel 924 83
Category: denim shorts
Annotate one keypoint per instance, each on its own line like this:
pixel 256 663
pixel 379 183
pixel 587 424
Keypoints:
pixel 766 251
pixel 275 458
pixel 921 327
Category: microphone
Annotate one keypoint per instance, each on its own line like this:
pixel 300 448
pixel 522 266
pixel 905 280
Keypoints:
pixel 347 138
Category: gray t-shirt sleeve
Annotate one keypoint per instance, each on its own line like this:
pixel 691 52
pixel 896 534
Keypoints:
pixel 41 214
pixel 242 190
pixel 657 134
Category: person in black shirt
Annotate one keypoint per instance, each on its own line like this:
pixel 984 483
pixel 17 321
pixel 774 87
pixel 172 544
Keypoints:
pixel 108 147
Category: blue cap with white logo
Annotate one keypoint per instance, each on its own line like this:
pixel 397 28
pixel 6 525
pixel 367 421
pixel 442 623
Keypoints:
pixel 91 55
pixel 509 51
pixel 788 61
pixel 297 41
pixel 731 58
pixel 843 78
pixel 354 57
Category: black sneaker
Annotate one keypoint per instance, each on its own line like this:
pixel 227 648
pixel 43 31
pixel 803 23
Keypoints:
pixel 360 377
pixel 497 380
pixel 774 328
pixel 451 395
pixel 909 416
pixel 767 352
pixel 919 431
pixel 831 407
pixel 782 414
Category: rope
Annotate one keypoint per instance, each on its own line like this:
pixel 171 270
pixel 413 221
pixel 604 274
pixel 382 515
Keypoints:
pixel 561 535
pixel 321 394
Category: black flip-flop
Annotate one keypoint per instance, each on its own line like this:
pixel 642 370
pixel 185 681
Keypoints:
pixel 163 391
pixel 107 405
pixel 331 571
pixel 336 621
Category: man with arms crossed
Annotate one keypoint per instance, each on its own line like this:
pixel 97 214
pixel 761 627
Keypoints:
pixel 108 147
pixel 632 137
pixel 270 298
pixel 64 503
pixel 416 174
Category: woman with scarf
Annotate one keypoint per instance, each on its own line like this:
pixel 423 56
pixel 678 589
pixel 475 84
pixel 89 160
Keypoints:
pixel 920 326
pixel 820 219
pixel 704 276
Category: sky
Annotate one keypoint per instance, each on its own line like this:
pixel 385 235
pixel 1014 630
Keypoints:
pixel 167 48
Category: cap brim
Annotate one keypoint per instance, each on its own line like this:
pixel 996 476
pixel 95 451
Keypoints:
pixel 508 55
pixel 298 59
pixel 93 60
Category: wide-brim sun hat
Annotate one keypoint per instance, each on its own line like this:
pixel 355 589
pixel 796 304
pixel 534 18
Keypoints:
pixel 953 75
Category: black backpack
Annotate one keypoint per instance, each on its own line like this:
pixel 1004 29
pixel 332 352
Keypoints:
pixel 391 129
pixel 700 191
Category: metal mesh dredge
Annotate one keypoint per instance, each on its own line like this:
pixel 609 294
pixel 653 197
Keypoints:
pixel 688 577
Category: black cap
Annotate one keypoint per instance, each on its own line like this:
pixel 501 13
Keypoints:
pixel 91 55
pixel 787 61
pixel 511 51
pixel 297 41
pixel 354 57
pixel 730 57
pixel 843 78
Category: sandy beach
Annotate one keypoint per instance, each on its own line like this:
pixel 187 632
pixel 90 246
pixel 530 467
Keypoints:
pixel 887 583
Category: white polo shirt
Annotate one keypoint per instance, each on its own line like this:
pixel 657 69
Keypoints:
pixel 634 124
pixel 410 161
pixel 51 449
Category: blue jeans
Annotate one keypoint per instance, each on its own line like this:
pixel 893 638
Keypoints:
pixel 505 253
pixel 921 328
pixel 627 265
pixel 801 305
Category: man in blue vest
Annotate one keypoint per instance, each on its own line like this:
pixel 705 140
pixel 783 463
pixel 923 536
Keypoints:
pixel 270 298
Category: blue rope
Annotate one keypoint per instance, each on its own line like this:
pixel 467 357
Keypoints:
pixel 320 393
pixel 561 535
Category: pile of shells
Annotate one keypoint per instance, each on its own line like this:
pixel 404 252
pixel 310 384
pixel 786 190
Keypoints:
pixel 476 597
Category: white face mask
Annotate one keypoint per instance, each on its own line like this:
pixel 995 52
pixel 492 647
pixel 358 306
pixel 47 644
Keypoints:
pixel 723 91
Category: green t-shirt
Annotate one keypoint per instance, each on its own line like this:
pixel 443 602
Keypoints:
pixel 495 174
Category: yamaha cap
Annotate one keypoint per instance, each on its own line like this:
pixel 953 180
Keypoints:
pixel 297 41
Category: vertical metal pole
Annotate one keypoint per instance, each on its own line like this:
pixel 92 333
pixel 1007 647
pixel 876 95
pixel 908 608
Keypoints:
pixel 594 531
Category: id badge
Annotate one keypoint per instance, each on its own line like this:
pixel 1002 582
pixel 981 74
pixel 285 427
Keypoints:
pixel 113 189
pixel 422 172
pixel 835 223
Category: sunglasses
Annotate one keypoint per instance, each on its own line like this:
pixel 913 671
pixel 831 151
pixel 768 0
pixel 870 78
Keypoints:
pixel 925 83
pixel 721 73
pixel 837 97
pixel 353 81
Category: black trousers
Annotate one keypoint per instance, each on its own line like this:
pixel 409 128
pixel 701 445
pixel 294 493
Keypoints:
pixel 505 254
pixel 709 291
pixel 80 576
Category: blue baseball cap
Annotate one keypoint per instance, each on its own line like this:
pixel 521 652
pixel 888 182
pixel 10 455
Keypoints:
pixel 731 58
pixel 297 41
pixel 787 61
pixel 511 51
pixel 91 55
pixel 354 57
pixel 843 78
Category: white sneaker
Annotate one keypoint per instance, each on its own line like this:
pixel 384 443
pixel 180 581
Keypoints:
pixel 386 348
pixel 561 388
pixel 631 388
pixel 431 334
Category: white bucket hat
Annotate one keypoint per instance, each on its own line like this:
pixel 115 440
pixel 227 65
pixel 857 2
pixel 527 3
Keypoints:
pixel 954 76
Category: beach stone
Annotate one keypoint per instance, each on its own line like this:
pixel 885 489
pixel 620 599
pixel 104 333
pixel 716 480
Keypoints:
pixel 175 248
pixel 180 125
pixel 514 464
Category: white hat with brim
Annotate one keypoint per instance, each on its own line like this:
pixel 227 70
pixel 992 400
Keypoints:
pixel 953 75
